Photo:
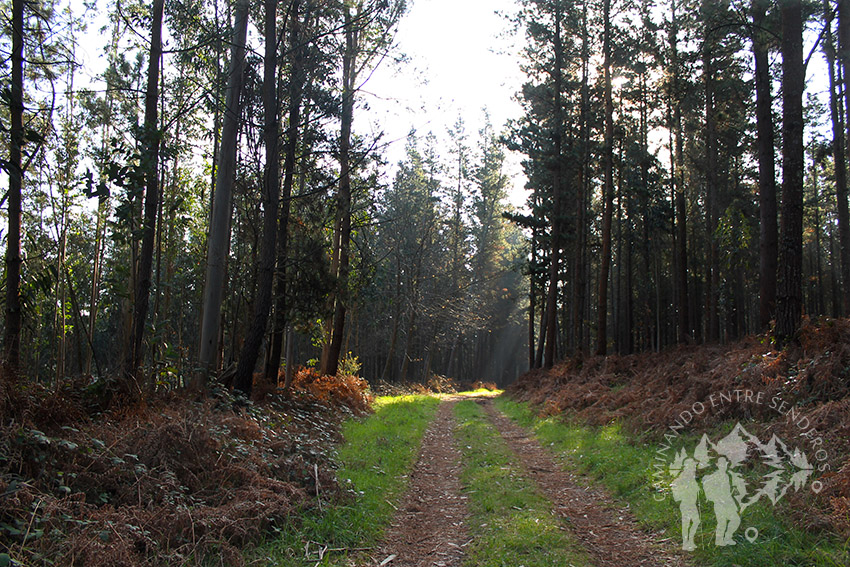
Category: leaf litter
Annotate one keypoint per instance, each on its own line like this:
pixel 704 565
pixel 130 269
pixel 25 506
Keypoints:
pixel 177 480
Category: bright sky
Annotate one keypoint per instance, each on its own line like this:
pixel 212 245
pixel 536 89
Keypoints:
pixel 460 60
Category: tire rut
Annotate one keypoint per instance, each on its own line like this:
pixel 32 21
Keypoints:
pixel 429 529
pixel 608 532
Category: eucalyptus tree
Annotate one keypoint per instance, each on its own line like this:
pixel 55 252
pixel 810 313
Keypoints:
pixel 219 232
pixel 303 56
pixel 243 380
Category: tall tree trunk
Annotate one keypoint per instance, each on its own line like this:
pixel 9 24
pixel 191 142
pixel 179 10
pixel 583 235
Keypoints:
pixel 678 175
pixel 819 300
pixel 532 299
pixel 218 241
pixel 767 167
pixel 296 89
pixel 95 279
pixel 555 254
pixel 541 341
pixel 789 296
pixel 838 153
pixel 349 73
pixel 12 337
pixel 150 160
pixel 582 185
pixel 711 182
pixel 608 188
pixel 244 378
pixel 844 59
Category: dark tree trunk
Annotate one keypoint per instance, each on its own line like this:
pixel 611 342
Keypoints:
pixel 344 196
pixel 608 189
pixel 150 162
pixel 680 209
pixel 582 185
pixel 768 236
pixel 711 190
pixel 12 337
pixel 243 380
pixel 532 299
pixel 555 255
pixel 218 240
pixel 296 89
pixel 789 297
pixel 839 145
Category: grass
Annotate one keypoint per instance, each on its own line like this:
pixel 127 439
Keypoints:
pixel 376 456
pixel 624 466
pixel 511 523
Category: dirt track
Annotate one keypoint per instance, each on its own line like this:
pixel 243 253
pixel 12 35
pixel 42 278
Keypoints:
pixel 429 529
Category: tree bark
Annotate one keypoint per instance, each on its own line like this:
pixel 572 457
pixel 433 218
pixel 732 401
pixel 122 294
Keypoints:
pixel 678 167
pixel 789 297
pixel 768 236
pixel 12 337
pixel 711 183
pixel 349 73
pixel 218 241
pixel 296 89
pixel 839 142
pixel 555 239
pixel 608 188
pixel 150 162
pixel 582 186
pixel 244 377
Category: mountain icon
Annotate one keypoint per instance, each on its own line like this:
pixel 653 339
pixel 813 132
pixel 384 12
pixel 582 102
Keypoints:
pixel 737 445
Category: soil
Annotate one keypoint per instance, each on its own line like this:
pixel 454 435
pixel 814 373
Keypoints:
pixel 607 531
pixel 429 529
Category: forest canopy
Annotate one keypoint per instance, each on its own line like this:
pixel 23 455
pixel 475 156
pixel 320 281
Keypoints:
pixel 206 207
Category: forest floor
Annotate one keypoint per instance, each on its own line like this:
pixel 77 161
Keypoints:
pixel 565 479
pixel 431 525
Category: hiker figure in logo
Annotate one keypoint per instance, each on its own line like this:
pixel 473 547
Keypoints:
pixel 685 490
pixel 718 489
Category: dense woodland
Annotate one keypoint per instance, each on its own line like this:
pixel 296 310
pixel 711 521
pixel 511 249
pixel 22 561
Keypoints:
pixel 206 208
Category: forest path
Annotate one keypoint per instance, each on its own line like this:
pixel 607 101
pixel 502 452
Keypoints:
pixel 605 529
pixel 430 526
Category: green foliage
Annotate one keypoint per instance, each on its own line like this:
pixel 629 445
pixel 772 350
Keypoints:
pixel 512 523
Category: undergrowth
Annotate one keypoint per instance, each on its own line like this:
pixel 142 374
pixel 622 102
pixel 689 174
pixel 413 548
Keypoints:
pixel 647 392
pixel 176 480
pixel 512 523
pixel 377 454
pixel 624 465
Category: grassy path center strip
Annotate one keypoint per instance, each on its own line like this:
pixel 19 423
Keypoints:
pixel 512 524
